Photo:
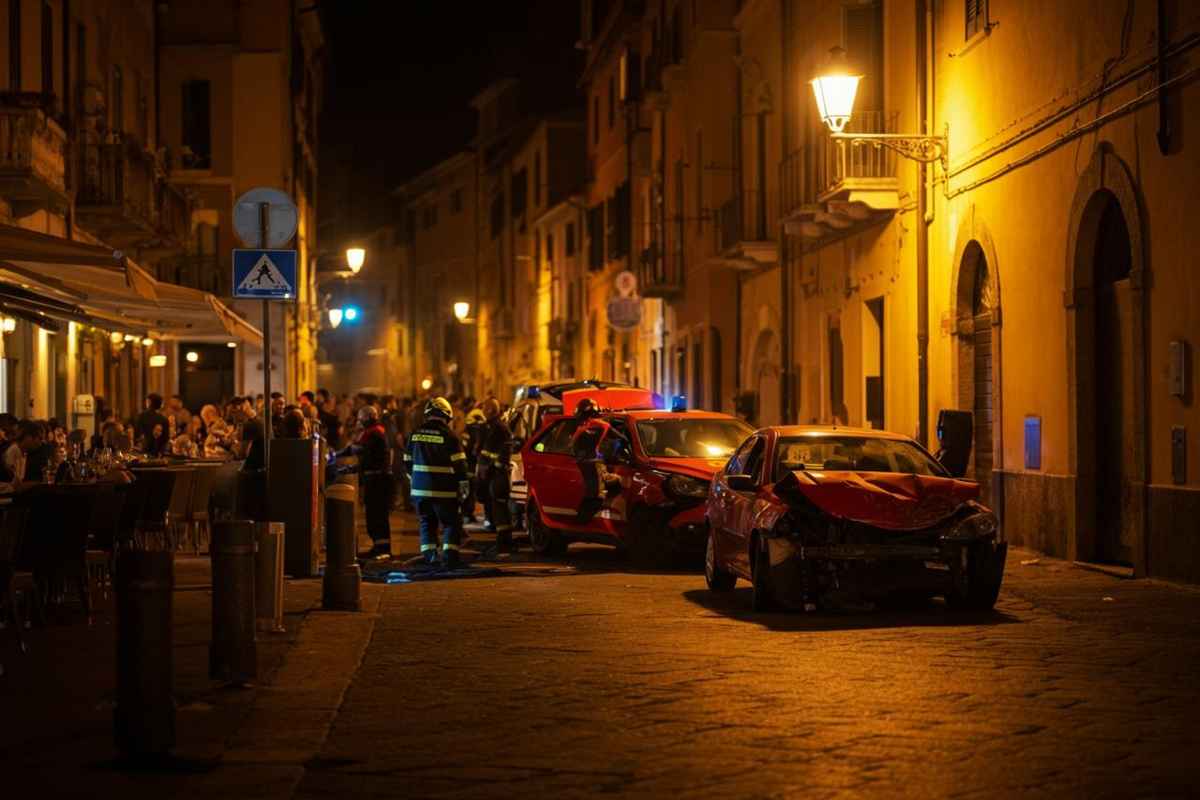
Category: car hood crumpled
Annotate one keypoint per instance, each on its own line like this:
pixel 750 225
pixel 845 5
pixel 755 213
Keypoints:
pixel 889 500
pixel 701 468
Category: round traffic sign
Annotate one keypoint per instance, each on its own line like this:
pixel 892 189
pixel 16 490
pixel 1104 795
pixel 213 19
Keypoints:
pixel 282 216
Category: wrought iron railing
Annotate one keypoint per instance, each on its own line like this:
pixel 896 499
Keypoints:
pixel 174 213
pixel 744 217
pixel 839 161
pixel 660 274
pixel 32 145
pixel 120 176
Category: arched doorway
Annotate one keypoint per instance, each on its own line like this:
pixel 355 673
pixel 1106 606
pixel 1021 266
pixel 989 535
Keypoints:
pixel 977 299
pixel 764 375
pixel 1106 314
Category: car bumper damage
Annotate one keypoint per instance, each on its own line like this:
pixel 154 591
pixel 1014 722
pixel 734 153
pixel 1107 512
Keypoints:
pixel 832 562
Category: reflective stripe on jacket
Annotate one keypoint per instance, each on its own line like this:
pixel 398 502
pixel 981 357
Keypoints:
pixel 435 461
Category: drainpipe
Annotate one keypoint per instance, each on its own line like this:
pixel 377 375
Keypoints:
pixel 924 21
pixel 785 305
pixel 738 187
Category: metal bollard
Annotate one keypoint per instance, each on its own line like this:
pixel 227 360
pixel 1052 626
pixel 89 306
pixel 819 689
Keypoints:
pixel 268 576
pixel 232 655
pixel 144 716
pixel 342 583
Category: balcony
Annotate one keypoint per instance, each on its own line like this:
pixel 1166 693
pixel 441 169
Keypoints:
pixel 660 274
pixel 118 193
pixel 743 228
pixel 33 156
pixel 837 190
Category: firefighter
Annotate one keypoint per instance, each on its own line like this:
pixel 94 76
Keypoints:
pixel 493 461
pixel 472 438
pixel 591 433
pixel 375 478
pixel 438 470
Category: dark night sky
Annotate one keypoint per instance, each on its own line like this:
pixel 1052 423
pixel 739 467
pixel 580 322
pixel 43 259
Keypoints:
pixel 402 74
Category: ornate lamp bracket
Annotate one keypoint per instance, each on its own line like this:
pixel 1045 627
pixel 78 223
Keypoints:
pixel 925 149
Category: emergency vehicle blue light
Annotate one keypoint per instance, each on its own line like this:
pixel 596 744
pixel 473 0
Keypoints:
pixel 350 313
pixel 679 403
pixel 533 392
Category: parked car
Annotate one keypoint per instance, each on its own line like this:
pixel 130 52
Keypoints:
pixel 814 515
pixel 665 472
pixel 531 405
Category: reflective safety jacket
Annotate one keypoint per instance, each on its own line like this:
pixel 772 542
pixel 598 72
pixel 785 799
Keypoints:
pixel 435 461
pixel 494 448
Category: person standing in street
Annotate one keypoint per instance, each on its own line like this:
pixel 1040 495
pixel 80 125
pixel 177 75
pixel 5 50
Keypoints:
pixel 472 439
pixel 375 479
pixel 330 423
pixel 493 462
pixel 437 468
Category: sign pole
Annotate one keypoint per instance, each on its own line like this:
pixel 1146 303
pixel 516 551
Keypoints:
pixel 264 224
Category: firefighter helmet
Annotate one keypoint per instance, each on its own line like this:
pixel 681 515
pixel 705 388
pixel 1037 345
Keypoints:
pixel 439 407
pixel 587 408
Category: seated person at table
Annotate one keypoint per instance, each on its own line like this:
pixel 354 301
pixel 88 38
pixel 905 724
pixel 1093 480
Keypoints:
pixel 153 439
pixel 14 460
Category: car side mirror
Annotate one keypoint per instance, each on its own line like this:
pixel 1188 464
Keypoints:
pixel 741 483
pixel 955 432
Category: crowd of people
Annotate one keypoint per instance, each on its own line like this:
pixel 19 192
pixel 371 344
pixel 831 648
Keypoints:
pixel 379 429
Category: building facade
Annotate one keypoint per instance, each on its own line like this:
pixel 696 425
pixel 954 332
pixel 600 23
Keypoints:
pixel 240 87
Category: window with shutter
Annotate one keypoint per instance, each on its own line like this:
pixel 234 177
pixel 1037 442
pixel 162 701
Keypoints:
pixel 595 232
pixel 976 16
pixel 864 47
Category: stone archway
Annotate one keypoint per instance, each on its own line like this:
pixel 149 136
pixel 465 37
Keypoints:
pixel 1105 300
pixel 765 377
pixel 975 301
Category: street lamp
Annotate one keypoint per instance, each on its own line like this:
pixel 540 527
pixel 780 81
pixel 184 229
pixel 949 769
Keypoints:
pixel 355 256
pixel 335 317
pixel 835 89
pixel 192 356
pixel 462 310
pixel 426 384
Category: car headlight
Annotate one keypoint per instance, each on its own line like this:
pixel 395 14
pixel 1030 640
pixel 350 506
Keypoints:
pixel 683 486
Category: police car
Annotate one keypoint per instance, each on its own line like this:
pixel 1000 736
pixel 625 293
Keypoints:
pixel 531 405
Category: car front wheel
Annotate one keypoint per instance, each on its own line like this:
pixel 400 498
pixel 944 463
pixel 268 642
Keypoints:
pixel 542 539
pixel 717 578
pixel 764 597
pixel 984 573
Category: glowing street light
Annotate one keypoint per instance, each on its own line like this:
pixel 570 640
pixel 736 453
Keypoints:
pixel 115 337
pixel 462 310
pixel 231 345
pixel 835 90
pixel 335 317
pixel 426 384
pixel 147 342
pixel 350 313
pixel 8 324
pixel 355 256
pixel 192 356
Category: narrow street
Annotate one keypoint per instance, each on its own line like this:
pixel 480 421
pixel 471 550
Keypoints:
pixel 582 677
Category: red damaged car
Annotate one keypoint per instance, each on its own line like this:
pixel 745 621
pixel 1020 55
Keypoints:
pixel 816 516
pixel 665 464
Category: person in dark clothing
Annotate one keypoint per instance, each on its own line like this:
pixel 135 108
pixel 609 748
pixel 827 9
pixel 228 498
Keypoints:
pixel 152 429
pixel 331 424
pixel 375 478
pixel 437 467
pixel 472 440
pixel 493 462
pixel 586 445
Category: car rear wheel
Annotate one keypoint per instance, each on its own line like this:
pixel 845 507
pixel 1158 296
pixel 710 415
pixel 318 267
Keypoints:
pixel 985 571
pixel 542 539
pixel 715 576
pixel 763 598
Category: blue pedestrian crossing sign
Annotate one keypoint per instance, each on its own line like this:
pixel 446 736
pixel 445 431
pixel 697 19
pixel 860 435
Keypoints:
pixel 264 274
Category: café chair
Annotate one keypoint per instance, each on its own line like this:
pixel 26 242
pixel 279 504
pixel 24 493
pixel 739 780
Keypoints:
pixel 181 500
pixel 197 520
pixel 15 582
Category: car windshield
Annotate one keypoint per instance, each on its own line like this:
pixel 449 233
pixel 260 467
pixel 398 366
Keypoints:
pixel 692 438
pixel 854 453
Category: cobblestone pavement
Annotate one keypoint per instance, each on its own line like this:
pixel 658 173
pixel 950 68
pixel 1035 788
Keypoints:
pixel 607 681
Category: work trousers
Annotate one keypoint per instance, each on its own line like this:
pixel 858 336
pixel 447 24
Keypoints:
pixel 468 503
pixel 431 515
pixel 377 498
pixel 498 501
pixel 591 469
